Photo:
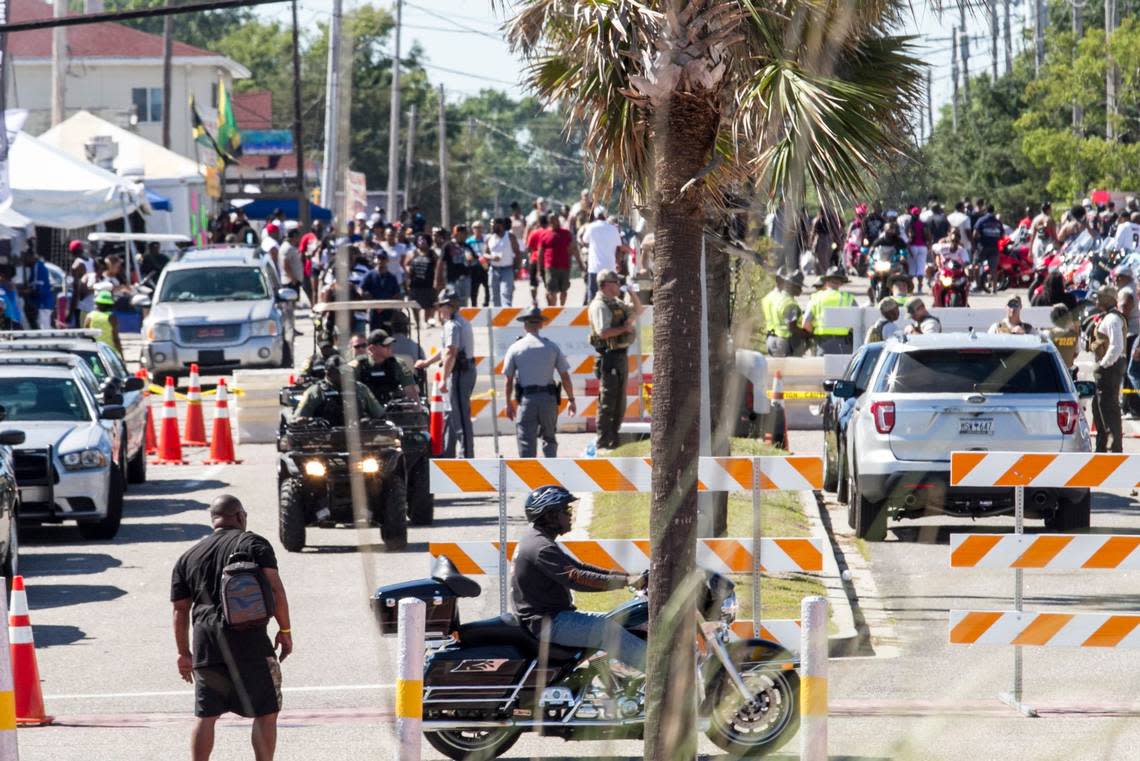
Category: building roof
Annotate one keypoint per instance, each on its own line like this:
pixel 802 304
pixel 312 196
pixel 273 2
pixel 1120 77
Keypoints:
pixel 103 40
pixel 254 109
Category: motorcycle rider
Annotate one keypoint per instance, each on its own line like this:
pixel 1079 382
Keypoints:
pixel 386 376
pixel 887 325
pixel 921 320
pixel 949 249
pixel 322 399
pixel 988 232
pixel 782 315
pixel 1012 322
pixel 1105 334
pixel 1043 230
pixel 1076 224
pixel 543 576
pixel 829 340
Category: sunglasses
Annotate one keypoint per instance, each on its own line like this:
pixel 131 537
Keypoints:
pixel 360 346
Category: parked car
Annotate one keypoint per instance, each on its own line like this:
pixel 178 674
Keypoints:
pixel 113 380
pixel 219 308
pixel 933 394
pixel 9 500
pixel 836 413
pixel 66 467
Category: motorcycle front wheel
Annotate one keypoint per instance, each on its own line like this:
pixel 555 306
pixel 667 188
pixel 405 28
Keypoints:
pixel 762 726
pixel 473 744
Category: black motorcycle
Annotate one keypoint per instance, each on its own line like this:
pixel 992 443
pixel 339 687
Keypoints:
pixel 487 682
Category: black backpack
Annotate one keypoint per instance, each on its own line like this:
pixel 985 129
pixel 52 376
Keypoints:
pixel 246 597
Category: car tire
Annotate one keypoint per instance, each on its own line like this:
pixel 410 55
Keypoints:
pixel 830 469
pixel 1071 515
pixel 10 565
pixel 870 517
pixel 421 502
pixel 394 512
pixel 108 527
pixel 842 488
pixel 136 468
pixel 291 515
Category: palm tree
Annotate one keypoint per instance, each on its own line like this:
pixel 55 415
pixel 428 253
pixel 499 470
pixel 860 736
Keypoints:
pixel 681 100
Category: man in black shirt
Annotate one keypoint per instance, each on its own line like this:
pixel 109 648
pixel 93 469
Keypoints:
pixel 232 670
pixel 543 576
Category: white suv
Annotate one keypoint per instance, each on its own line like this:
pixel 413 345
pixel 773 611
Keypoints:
pixel 933 394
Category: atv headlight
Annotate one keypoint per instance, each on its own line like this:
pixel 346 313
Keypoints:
pixel 85 459
pixel 315 468
pixel 262 328
pixel 370 465
pixel 729 609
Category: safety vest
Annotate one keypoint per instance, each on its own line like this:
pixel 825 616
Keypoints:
pixel 101 321
pixel 826 299
pixel 775 309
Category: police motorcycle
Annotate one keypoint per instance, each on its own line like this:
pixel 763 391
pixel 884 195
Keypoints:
pixel 487 682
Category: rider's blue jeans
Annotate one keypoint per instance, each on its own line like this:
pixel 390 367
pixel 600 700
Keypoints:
pixel 573 628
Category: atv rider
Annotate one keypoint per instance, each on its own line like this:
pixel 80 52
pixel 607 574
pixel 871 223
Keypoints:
pixel 314 366
pixel 322 399
pixel 543 576
pixel 385 375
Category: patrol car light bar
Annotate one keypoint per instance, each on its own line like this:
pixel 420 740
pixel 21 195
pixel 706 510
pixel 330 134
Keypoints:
pixel 36 335
pixel 61 360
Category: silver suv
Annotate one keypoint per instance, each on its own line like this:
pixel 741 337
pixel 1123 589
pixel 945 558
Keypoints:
pixel 933 394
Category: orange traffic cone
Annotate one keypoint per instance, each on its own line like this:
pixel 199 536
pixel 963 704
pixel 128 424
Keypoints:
pixel 25 672
pixel 195 435
pixel 435 422
pixel 151 439
pixel 169 446
pixel 222 442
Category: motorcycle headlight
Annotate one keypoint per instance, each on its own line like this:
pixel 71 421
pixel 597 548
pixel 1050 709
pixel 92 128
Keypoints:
pixel 947 281
pixel 882 266
pixel 729 608
pixel 262 328
pixel 315 468
pixel 370 465
pixel 160 331
pixel 85 459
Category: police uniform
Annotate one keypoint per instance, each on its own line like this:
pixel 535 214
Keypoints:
pixel 1108 375
pixel 323 400
pixel 457 420
pixel 1067 343
pixel 385 380
pixel 1005 326
pixel 830 340
pixel 612 367
pixel 533 361
pixel 780 311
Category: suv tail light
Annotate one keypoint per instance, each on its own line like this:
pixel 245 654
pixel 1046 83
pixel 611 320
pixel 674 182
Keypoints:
pixel 884 415
pixel 1067 415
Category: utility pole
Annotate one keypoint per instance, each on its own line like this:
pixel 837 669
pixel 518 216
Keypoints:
pixel 298 140
pixel 1038 36
pixel 1008 39
pixel 1110 72
pixel 995 33
pixel 964 37
pixel 444 200
pixel 410 157
pixel 59 66
pixel 1078 7
pixel 332 116
pixel 394 124
pixel 167 75
pixel 954 77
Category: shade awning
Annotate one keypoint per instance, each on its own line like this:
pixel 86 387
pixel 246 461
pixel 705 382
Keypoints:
pixel 263 208
pixel 156 201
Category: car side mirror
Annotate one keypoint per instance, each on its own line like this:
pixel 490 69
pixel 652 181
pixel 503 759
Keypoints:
pixel 140 300
pixel 134 384
pixel 113 412
pixel 844 389
pixel 828 385
pixel 1086 389
pixel 3 412
pixel 12 438
pixel 287 294
pixel 112 396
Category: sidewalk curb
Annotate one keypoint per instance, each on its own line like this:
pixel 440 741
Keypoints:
pixel 846 640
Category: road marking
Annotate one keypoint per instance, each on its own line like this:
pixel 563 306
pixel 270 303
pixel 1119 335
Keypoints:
pixel 190 691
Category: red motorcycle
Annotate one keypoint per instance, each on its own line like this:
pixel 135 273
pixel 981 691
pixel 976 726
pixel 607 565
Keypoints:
pixel 952 286
pixel 1015 266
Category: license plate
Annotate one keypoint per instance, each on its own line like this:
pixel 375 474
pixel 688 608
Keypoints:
pixel 211 333
pixel 979 426
pixel 33 494
pixel 211 357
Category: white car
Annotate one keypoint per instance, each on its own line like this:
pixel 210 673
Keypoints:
pixel 930 395
pixel 66 467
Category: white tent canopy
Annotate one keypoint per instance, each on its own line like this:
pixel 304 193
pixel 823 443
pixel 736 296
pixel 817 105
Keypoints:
pixel 137 156
pixel 53 189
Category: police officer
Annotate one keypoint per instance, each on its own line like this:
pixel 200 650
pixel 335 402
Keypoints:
pixel 458 373
pixel 314 366
pixel 921 320
pixel 530 365
pixel 1065 336
pixel 782 315
pixel 385 375
pixel 887 324
pixel 829 340
pixel 612 331
pixel 1012 322
pixel 323 398
pixel 1105 335
pixel 405 347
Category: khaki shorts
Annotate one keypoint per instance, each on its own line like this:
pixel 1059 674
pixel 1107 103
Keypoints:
pixel 556 280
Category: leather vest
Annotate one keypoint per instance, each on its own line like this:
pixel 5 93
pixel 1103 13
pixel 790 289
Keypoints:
pixel 620 314
pixel 1097 341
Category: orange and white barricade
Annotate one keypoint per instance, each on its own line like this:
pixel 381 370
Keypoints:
pixel 580 365
pixel 1053 552
pixel 481 414
pixel 1053 629
pixel 1063 470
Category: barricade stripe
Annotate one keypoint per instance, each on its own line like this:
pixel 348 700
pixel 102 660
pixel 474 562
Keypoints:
pixel 731 552
pixel 1094 472
pixel 1113 552
pixel 592 553
pixel 961 463
pixel 811 468
pixel 802 552
pixel 460 559
pixel 504 317
pixel 581 319
pixel 606 475
pixel 1041 550
pixel 973 625
pixel 738 469
pixel 1042 628
pixel 1112 631
pixel 973 548
pixel 644 545
pixel 531 472
pixel 464 475
pixel 1027 467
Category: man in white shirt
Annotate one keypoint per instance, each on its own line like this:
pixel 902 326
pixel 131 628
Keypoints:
pixel 604 244
pixel 1106 342
pixel 538 210
pixel 585 203
pixel 292 273
pixel 1128 233
pixel 396 252
pixel 959 220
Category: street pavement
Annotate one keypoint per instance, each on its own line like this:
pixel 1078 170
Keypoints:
pixel 102 624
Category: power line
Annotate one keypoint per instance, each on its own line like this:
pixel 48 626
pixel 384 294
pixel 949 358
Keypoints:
pixel 97 18
pixel 454 23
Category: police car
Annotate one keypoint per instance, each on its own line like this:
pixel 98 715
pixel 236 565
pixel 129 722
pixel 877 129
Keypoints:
pixel 66 467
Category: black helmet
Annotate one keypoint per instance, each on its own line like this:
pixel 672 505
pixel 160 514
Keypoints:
pixel 546 500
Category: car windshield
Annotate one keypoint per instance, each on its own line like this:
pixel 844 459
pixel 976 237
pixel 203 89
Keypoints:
pixel 965 371
pixel 214 284
pixel 30 399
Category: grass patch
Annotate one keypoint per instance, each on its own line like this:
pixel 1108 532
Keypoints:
pixel 626 516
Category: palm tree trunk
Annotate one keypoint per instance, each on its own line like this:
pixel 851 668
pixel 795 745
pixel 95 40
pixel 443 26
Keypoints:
pixel 684 131
pixel 724 410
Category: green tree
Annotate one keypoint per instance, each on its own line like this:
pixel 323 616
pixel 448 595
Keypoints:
pixel 201 29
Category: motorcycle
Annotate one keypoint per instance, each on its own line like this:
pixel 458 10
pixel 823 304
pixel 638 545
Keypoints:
pixel 855 253
pixel 1015 267
pixel 487 682
pixel 887 260
pixel 952 286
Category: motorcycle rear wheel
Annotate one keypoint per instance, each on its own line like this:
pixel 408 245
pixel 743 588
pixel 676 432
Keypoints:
pixel 750 731
pixel 473 744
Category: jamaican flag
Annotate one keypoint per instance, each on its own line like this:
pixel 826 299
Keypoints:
pixel 198 129
pixel 228 136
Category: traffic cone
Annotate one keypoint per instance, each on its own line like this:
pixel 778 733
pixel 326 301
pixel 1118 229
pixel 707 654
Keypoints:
pixel 25 673
pixel 169 445
pixel 222 442
pixel 151 439
pixel 195 435
pixel 436 421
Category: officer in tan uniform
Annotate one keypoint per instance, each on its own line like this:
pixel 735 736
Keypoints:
pixel 612 331
pixel 1065 335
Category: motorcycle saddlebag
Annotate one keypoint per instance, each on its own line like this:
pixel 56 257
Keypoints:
pixel 489 674
pixel 442 607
